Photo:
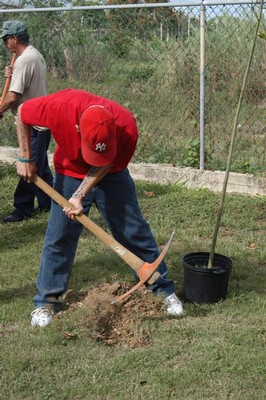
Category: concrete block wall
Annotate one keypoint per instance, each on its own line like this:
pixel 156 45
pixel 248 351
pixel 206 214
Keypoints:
pixel 190 177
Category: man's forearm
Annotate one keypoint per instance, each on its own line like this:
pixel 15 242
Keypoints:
pixel 11 100
pixel 79 193
pixel 23 134
pixel 94 175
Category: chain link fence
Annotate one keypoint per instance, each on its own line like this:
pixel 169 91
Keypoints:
pixel 147 57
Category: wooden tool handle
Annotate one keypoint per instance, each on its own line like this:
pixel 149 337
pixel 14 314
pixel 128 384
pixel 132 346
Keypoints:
pixel 8 79
pixel 130 258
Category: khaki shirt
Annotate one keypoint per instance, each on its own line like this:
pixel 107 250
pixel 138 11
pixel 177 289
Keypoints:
pixel 29 76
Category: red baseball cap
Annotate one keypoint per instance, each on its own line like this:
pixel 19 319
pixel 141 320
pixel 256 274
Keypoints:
pixel 98 136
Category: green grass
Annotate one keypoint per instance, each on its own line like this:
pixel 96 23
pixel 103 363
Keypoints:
pixel 214 351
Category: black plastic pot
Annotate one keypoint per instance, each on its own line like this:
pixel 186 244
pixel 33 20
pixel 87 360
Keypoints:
pixel 202 284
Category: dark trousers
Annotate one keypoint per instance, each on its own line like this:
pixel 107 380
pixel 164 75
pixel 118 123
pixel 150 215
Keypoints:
pixel 116 199
pixel 25 193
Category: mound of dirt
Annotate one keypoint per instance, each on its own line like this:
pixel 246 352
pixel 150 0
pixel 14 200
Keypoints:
pixel 118 323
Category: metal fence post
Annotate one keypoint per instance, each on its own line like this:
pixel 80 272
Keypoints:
pixel 202 86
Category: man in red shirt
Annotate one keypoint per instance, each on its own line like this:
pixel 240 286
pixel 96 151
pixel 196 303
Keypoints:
pixel 96 137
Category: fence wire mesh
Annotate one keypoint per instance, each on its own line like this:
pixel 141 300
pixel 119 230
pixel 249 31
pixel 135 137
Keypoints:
pixel 148 60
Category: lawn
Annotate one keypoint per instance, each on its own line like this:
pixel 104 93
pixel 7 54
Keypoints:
pixel 214 351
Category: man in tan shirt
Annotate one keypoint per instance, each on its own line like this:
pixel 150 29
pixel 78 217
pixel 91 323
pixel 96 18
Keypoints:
pixel 28 80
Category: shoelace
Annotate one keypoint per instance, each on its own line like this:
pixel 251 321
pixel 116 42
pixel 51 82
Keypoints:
pixel 42 310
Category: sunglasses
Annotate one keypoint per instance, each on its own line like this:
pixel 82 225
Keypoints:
pixel 5 38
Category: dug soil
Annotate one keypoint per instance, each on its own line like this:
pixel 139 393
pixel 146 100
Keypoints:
pixel 120 323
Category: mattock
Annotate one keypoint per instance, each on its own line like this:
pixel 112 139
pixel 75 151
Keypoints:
pixel 145 271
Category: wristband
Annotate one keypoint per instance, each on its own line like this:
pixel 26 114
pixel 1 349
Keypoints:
pixel 25 159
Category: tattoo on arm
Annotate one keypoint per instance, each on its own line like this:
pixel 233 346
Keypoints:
pixel 23 137
pixel 79 192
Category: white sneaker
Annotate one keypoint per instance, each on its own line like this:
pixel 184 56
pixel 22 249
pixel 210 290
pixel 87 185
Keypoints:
pixel 173 304
pixel 42 316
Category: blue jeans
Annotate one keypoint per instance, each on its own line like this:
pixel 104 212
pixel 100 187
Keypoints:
pixel 25 193
pixel 116 200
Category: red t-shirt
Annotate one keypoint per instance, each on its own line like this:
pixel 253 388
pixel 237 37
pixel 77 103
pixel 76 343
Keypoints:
pixel 61 111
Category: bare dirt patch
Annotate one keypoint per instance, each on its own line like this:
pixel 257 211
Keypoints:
pixel 118 323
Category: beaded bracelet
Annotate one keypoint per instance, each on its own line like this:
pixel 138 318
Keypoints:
pixel 25 159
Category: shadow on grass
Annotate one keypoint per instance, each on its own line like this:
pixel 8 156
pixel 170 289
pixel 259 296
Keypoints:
pixel 97 268
pixel 16 293
pixel 14 236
